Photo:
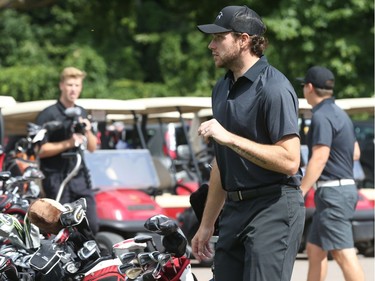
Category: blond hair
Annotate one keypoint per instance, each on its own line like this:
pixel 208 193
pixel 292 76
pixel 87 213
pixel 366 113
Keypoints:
pixel 72 72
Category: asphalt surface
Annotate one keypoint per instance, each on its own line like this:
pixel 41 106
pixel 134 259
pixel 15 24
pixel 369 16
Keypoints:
pixel 300 270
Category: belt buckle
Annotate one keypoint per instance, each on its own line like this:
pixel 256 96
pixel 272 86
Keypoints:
pixel 239 194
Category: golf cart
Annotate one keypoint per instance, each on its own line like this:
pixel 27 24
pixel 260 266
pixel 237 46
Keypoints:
pixel 122 203
pixel 178 154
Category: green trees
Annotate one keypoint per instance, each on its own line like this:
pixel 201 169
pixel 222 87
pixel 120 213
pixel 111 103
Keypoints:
pixel 336 34
pixel 148 48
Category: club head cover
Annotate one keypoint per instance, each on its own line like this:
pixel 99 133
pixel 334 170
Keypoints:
pixel 175 243
pixel 45 213
pixel 74 214
pixel 161 224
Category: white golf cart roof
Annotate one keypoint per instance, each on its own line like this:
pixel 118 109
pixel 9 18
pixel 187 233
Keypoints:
pixel 351 106
pixel 18 115
pixel 304 108
pixel 357 105
pixel 6 101
pixel 167 117
pixel 173 104
pixel 158 109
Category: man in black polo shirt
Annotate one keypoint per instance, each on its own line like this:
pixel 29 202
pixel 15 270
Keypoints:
pixel 332 149
pixel 67 139
pixel 255 180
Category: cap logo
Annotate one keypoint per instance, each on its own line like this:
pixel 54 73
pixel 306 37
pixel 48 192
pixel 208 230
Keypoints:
pixel 220 15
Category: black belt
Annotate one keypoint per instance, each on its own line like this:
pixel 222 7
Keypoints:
pixel 241 195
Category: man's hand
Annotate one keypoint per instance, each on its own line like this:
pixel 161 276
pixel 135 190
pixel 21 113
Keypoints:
pixel 201 244
pixel 213 129
pixel 79 139
pixel 86 122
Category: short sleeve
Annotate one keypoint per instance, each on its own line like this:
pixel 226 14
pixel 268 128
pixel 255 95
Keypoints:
pixel 322 133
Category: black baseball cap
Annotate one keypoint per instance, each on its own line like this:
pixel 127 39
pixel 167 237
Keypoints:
pixel 320 77
pixel 237 19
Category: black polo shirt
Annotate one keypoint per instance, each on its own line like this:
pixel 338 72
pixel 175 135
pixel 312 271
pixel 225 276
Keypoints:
pixel 261 106
pixel 332 127
pixel 56 112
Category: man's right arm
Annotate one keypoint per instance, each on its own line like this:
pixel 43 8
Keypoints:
pixel 215 198
pixel 50 149
pixel 214 203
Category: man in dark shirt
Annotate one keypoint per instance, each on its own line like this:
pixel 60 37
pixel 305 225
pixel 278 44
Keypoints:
pixel 74 132
pixel 255 180
pixel 332 149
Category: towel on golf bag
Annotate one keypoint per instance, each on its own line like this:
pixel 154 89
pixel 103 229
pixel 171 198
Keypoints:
pixel 45 214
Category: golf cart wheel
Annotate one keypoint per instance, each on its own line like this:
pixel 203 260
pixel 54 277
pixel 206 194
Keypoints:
pixel 106 240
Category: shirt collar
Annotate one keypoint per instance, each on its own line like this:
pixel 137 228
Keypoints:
pixel 253 72
pixel 325 101
pixel 60 103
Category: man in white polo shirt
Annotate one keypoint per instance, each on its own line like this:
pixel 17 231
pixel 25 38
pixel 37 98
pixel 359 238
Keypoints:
pixel 332 149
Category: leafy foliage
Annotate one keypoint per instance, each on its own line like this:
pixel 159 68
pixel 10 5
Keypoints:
pixel 132 49
pixel 336 34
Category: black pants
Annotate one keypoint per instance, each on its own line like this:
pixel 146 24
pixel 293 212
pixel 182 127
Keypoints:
pixel 75 189
pixel 259 238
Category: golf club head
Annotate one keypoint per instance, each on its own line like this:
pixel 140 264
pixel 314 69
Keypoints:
pixel 6 201
pixel 162 260
pixel 89 249
pixel 33 129
pixel 12 229
pixel 8 268
pixel 39 136
pixel 80 203
pixel 133 272
pixel 122 268
pixel 33 173
pixel 144 238
pixel 145 260
pixel 75 212
pixel 127 257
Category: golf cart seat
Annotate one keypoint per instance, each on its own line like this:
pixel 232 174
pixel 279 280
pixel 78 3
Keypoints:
pixel 166 179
